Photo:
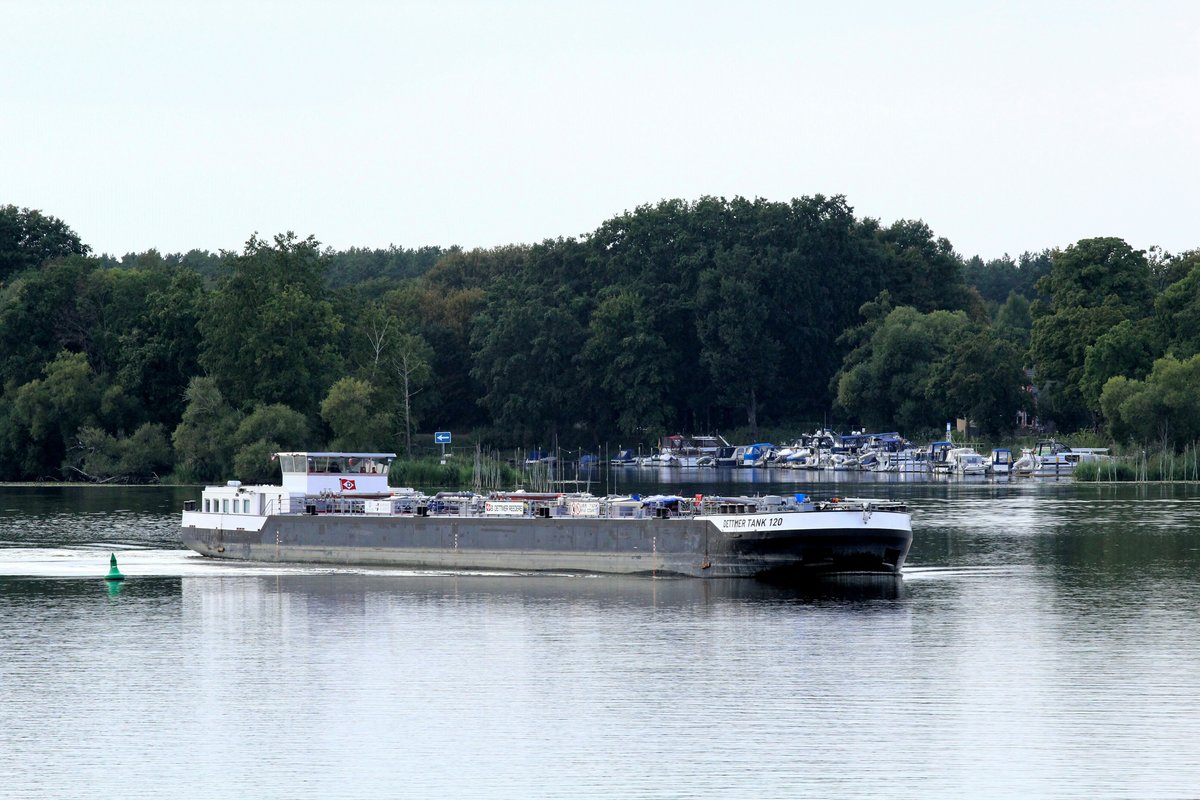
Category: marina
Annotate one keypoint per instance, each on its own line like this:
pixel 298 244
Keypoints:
pixel 826 451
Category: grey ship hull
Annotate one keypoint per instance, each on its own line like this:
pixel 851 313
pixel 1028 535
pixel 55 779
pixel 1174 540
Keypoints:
pixel 809 544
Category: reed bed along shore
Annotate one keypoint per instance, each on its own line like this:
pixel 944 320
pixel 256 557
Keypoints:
pixel 1144 466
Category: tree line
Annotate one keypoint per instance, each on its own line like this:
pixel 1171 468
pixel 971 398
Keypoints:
pixel 714 314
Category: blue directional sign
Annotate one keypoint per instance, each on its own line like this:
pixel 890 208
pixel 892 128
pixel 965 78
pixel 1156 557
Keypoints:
pixel 441 437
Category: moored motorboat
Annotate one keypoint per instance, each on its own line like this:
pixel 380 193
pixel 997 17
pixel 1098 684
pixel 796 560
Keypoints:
pixel 1053 459
pixel 1001 461
pixel 337 508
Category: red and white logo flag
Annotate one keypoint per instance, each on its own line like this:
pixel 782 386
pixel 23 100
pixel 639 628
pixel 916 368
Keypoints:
pixel 347 485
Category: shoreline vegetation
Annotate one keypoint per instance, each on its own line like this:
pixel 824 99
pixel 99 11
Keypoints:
pixel 743 316
pixel 1162 466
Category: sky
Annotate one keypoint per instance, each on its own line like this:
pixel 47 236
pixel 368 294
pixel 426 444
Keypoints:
pixel 1006 126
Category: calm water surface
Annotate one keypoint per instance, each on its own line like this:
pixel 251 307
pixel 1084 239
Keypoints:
pixel 1044 642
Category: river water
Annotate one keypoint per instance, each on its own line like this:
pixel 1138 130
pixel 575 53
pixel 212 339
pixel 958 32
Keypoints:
pixel 1043 642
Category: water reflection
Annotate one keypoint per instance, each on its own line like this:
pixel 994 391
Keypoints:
pixel 591 591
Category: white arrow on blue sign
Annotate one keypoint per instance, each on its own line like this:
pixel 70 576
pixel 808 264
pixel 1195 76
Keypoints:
pixel 441 437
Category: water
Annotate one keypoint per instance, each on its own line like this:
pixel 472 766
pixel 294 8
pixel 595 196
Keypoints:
pixel 1044 641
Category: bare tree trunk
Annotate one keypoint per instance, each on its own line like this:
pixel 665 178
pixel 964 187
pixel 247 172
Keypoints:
pixel 377 336
pixel 752 414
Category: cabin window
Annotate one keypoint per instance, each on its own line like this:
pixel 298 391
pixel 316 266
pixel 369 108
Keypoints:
pixel 331 464
pixel 207 503
pixel 224 506
pixel 246 506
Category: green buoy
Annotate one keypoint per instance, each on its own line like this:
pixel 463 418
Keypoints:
pixel 114 574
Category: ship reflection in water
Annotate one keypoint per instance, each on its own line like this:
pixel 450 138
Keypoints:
pixel 615 590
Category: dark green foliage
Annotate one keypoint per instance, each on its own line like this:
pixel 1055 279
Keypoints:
pixel 1177 315
pixel 268 333
pixel 204 439
pixel 255 462
pixel 1093 285
pixel 348 411
pixel 627 361
pixel 713 315
pixel 1127 349
pixel 141 458
pixel 1097 272
pixel 889 377
pixel 980 379
pixel 384 267
pixel 287 428
pixel 1165 407
pixel 29 239
pixel 1000 278
pixel 39 318
pixel 1058 349
pixel 1013 320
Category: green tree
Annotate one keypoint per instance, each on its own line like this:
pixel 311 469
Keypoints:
pixel 268 334
pixel 738 340
pixel 1127 349
pixel 29 238
pixel 103 457
pixel 626 360
pixel 1163 408
pixel 409 358
pixel 38 317
pixel 285 427
pixel 1093 285
pixel 51 409
pixel 205 439
pixel 1100 272
pixel 1167 269
pixel 525 349
pixel 923 270
pixel 261 434
pixel 1013 321
pixel 979 379
pixel 158 352
pixel 348 411
pixel 1058 349
pixel 1177 315
pixel 886 380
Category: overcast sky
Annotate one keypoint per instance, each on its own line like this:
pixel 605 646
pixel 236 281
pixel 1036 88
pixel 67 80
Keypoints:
pixel 1005 126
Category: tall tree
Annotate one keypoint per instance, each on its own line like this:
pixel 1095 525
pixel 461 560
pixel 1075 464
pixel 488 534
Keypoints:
pixel 738 341
pixel 52 409
pixel 268 333
pixel 349 410
pixel 1163 408
pixel 1177 315
pixel 980 378
pixel 1092 286
pixel 886 380
pixel 626 367
pixel 29 238
pixel 205 438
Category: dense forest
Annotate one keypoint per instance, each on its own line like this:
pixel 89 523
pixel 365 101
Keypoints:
pixel 712 315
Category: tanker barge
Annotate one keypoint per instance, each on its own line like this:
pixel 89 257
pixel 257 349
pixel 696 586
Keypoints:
pixel 337 508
